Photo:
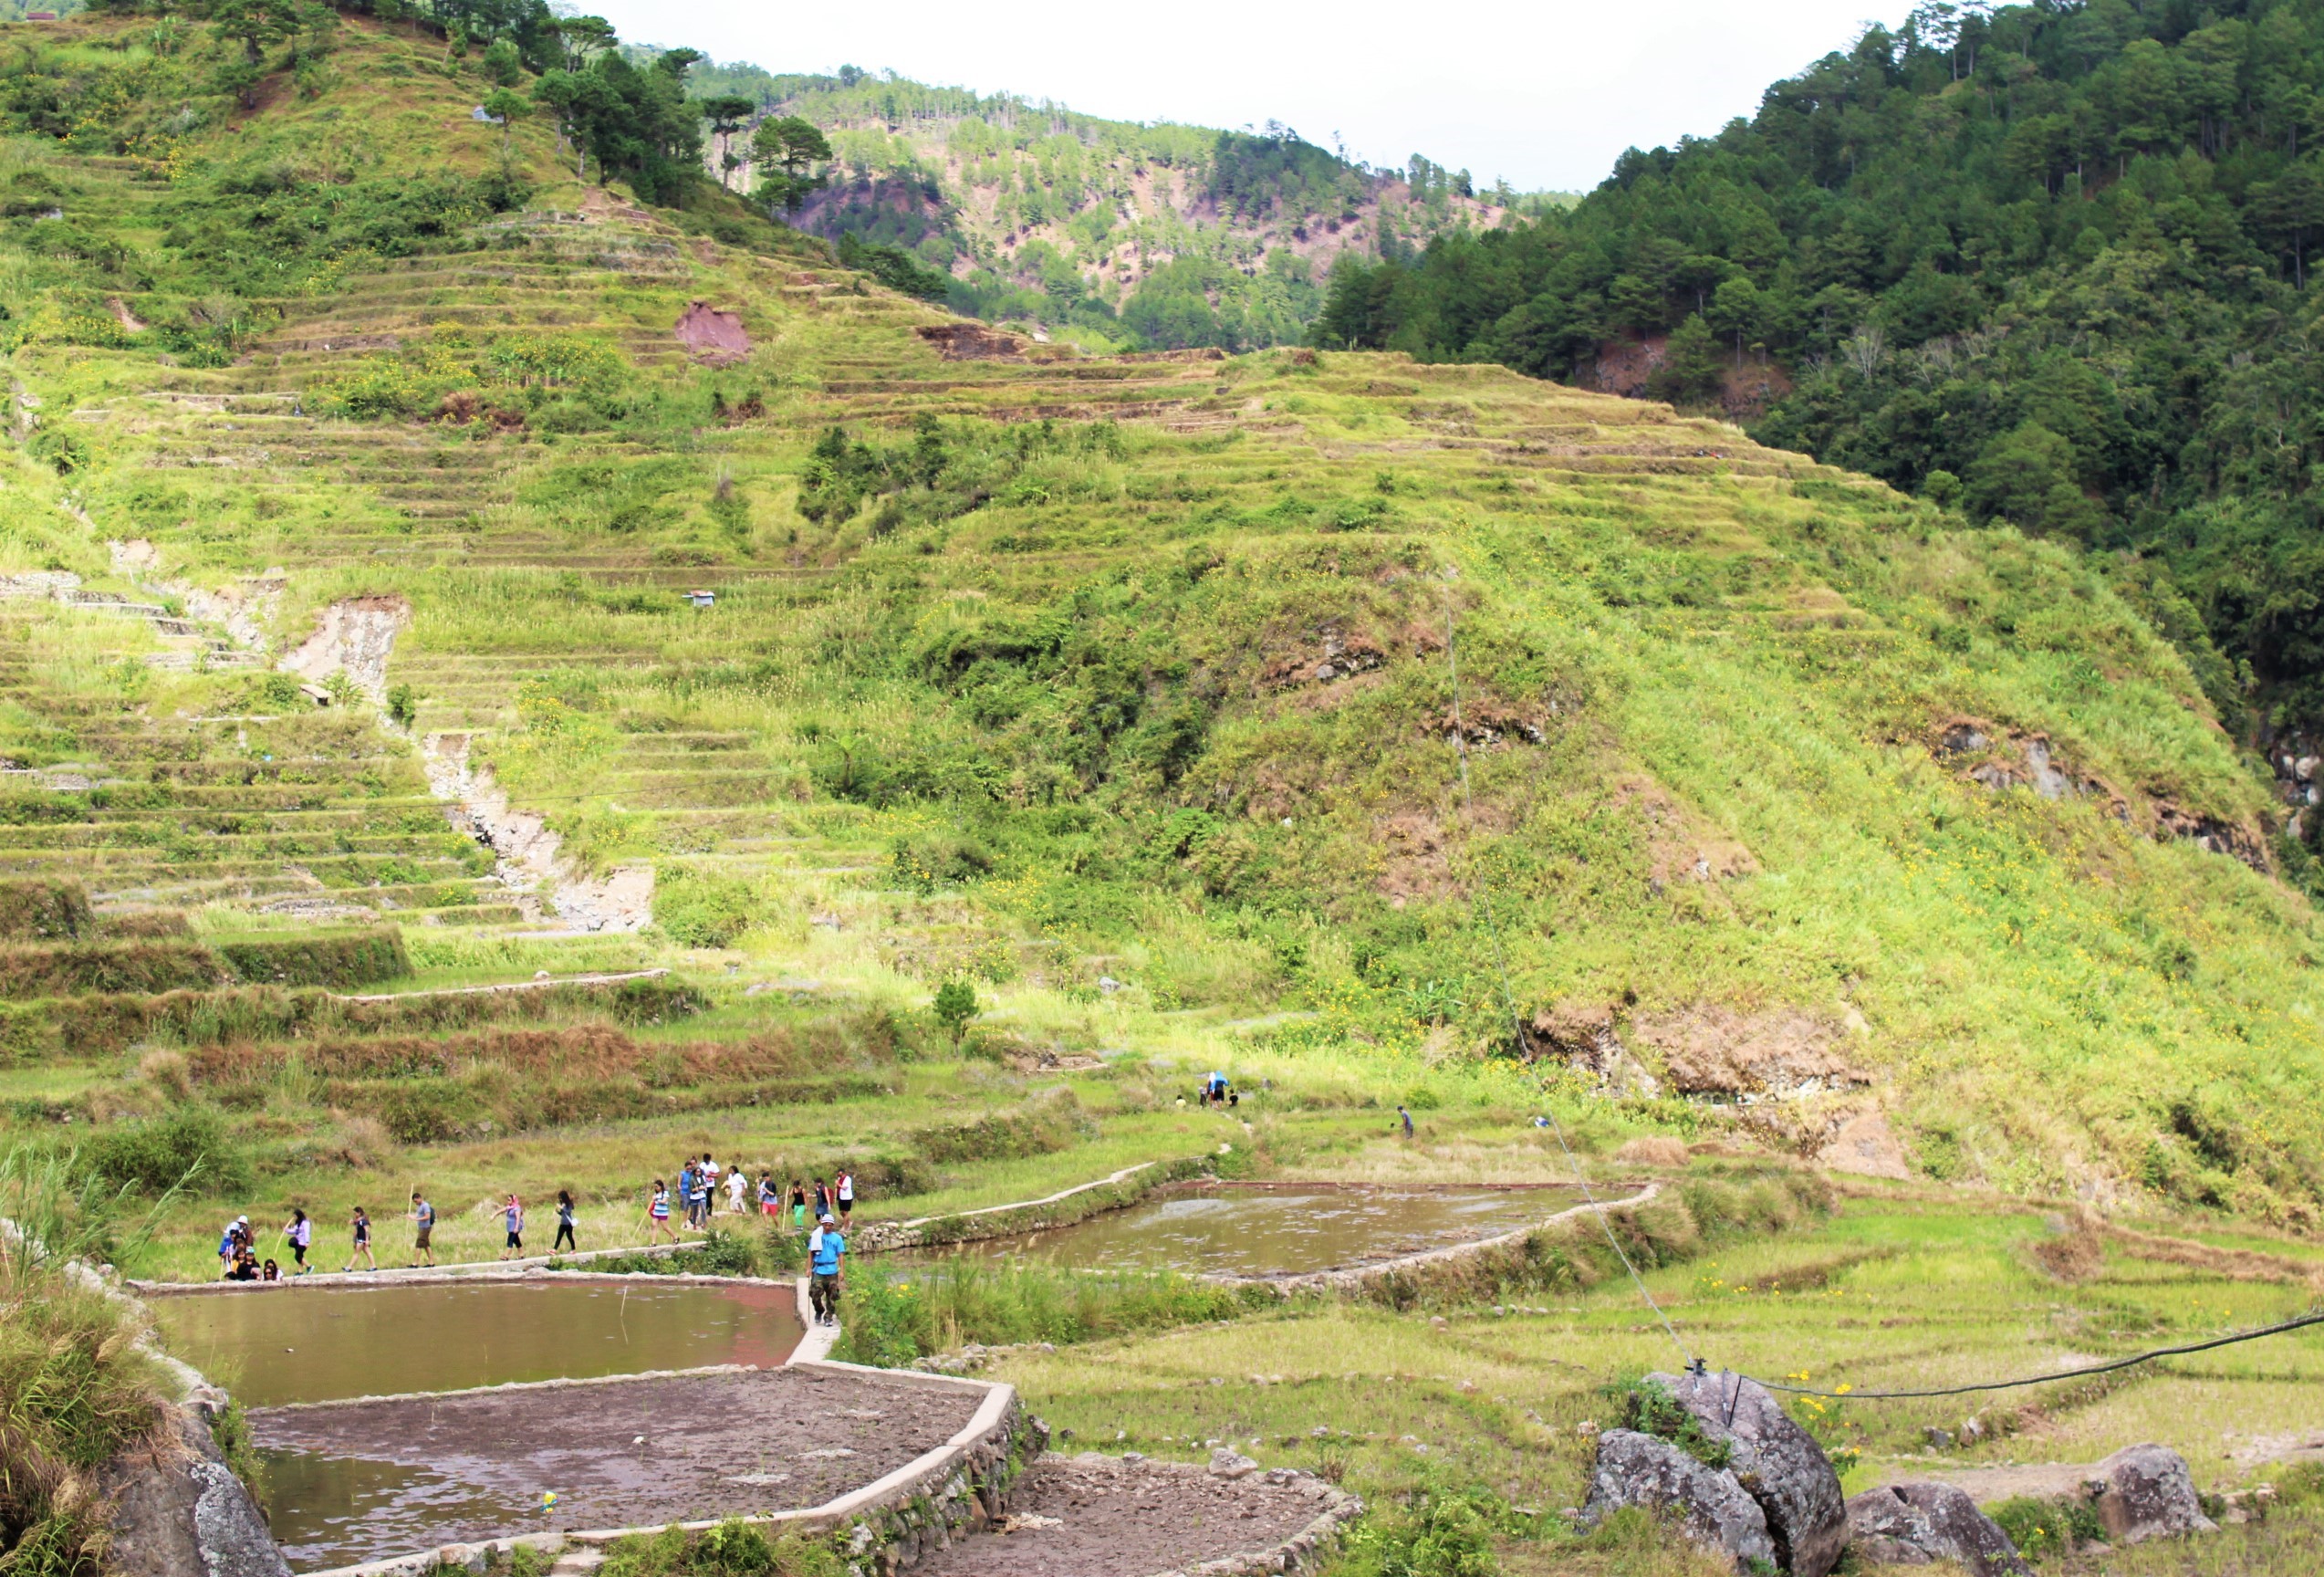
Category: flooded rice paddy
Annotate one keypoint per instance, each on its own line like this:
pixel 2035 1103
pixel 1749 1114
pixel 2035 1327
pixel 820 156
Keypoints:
pixel 320 1344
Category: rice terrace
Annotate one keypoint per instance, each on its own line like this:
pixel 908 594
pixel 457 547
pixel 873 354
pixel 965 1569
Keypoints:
pixel 697 883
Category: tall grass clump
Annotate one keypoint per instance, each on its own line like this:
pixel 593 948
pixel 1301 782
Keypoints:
pixel 889 1322
pixel 75 1388
pixel 733 1548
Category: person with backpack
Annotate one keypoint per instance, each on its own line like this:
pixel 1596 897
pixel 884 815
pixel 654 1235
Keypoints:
pixel 825 1247
pixel 422 1217
pixel 564 1223
pixel 298 1232
pixel 361 1223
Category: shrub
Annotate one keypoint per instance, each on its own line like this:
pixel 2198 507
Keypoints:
pixel 2042 1528
pixel 1436 1536
pixel 188 1148
pixel 700 909
pixel 954 1006
pixel 732 1549
pixel 1648 1406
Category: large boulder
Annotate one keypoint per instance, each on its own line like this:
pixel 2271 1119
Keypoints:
pixel 2147 1493
pixel 1918 1524
pixel 1707 1504
pixel 176 1509
pixel 1775 1459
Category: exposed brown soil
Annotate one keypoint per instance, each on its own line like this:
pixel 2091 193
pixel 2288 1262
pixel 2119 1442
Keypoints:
pixel 714 336
pixel 972 342
pixel 635 1453
pixel 1711 1048
pixel 1092 1516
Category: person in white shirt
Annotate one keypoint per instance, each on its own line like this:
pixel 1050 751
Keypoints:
pixel 737 1185
pixel 846 1190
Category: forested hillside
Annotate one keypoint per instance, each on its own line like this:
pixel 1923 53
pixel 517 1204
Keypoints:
pixel 1166 236
pixel 2049 261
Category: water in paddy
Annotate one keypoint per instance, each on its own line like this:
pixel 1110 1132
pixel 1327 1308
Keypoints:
pixel 1279 1230
pixel 321 1344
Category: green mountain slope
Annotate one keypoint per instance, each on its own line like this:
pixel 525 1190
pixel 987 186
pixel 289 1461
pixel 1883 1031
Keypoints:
pixel 1166 236
pixel 1805 813
pixel 2052 262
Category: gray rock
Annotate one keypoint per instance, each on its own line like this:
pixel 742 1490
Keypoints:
pixel 1228 1463
pixel 1916 1524
pixel 2148 1494
pixel 1778 1461
pixel 1711 1509
pixel 175 1509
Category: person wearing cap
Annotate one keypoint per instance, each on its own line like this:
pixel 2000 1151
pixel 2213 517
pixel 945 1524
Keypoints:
pixel 824 1248
pixel 236 1231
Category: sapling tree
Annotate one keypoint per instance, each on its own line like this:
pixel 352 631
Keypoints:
pixel 954 1006
pixel 507 106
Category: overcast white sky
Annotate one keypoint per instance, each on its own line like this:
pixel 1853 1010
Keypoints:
pixel 1545 94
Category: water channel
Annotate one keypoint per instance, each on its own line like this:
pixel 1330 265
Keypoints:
pixel 321 1344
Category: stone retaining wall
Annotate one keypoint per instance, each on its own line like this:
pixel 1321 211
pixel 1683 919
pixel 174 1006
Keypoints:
pixel 1303 1552
pixel 1421 1266
pixel 1126 1187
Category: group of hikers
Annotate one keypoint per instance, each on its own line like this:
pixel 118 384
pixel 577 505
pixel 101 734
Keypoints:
pixel 699 1183
pixel 695 1202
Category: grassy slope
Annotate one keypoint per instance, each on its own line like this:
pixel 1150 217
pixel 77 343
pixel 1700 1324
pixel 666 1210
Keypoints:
pixel 1730 655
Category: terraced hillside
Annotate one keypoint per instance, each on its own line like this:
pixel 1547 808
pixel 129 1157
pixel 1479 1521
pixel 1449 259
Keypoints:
pixel 1798 812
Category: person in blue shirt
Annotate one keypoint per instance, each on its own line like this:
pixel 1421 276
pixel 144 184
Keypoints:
pixel 423 1225
pixel 826 1246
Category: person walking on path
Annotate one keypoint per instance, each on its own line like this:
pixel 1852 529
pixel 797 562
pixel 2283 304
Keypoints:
pixel 298 1232
pixel 770 1202
pixel 698 1201
pixel 686 1191
pixel 710 1175
pixel 825 1249
pixel 564 1223
pixel 737 1185
pixel 658 1212
pixel 422 1217
pixel 512 1216
pixel 844 1186
pixel 361 1223
pixel 798 1203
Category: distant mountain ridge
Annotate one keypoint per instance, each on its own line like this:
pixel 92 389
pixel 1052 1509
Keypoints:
pixel 1166 235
